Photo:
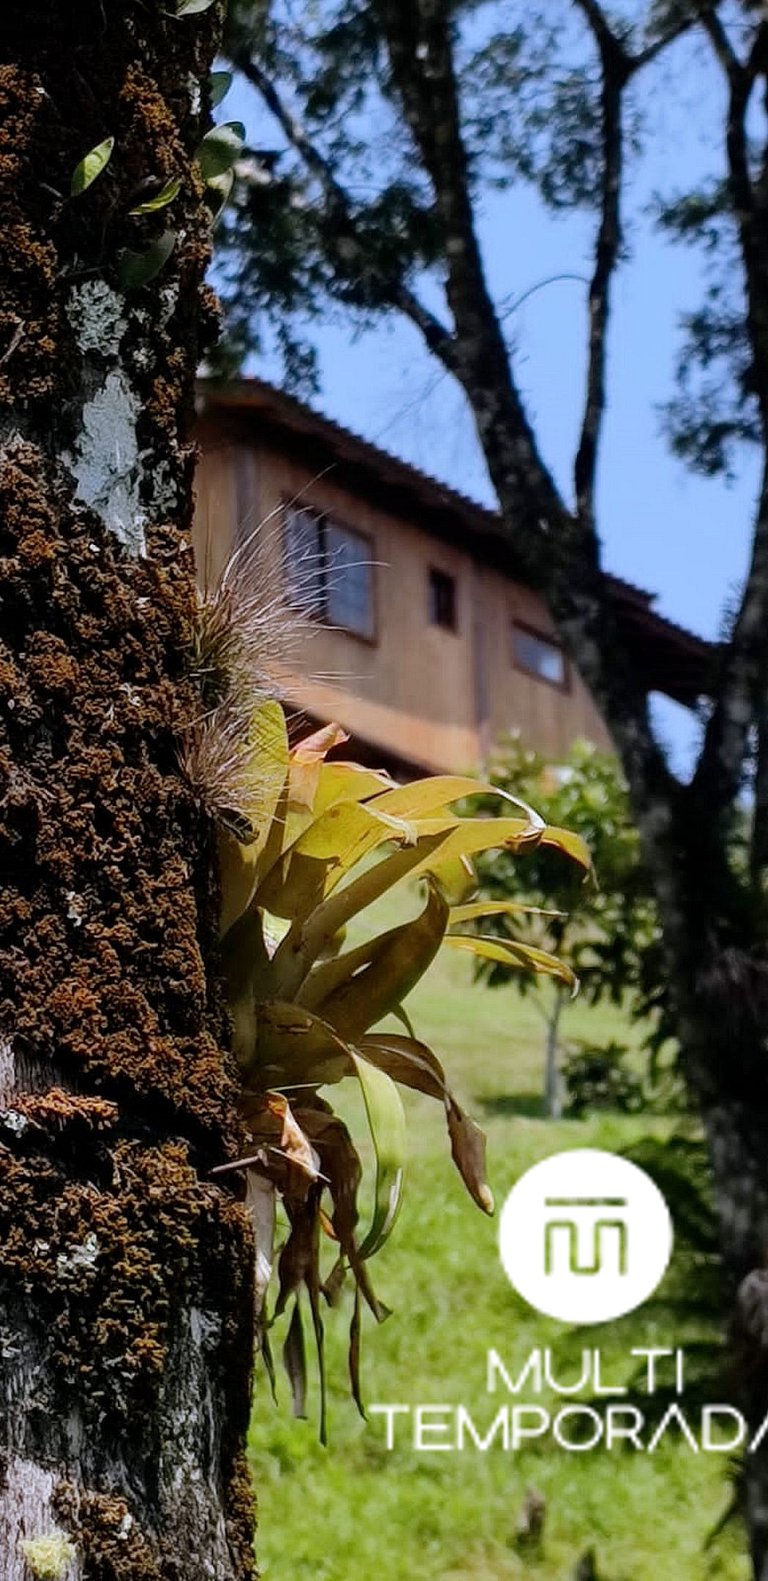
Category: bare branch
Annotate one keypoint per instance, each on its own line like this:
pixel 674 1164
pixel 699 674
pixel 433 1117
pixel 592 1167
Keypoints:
pixel 339 207
pixel 611 43
pixel 742 683
pixel 617 68
pixel 607 40
pixel 744 671
pixel 721 43
pixel 652 51
pixel 615 73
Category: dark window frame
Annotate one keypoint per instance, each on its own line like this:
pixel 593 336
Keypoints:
pixel 550 641
pixel 324 520
pixel 435 574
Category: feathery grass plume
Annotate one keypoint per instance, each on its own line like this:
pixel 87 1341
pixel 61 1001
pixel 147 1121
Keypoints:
pixel 248 632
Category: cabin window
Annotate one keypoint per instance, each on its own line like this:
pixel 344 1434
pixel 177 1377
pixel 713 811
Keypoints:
pixel 538 655
pixel 442 599
pixel 329 571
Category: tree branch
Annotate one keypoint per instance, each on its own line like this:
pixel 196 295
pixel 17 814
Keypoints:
pixel 721 43
pixel 744 673
pixel 340 209
pixel 617 66
pixel 652 51
pixel 615 73
pixel 608 42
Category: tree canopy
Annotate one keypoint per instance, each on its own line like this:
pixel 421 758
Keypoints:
pixel 339 212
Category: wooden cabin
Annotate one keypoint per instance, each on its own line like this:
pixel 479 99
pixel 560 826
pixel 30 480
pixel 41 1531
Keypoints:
pixel 414 635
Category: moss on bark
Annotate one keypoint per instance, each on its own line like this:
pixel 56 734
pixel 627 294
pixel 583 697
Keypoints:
pixel 124 1272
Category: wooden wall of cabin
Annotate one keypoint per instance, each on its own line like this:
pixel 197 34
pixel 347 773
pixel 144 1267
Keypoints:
pixel 418 692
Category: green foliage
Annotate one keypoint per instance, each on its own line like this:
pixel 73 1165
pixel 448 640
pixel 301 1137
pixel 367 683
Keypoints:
pixel 601 1078
pixel 608 928
pixel 91 166
pixel 192 7
pixel 713 409
pixel 219 149
pixel 220 83
pixel 137 268
pixel 160 200
pixel 531 117
pixel 320 842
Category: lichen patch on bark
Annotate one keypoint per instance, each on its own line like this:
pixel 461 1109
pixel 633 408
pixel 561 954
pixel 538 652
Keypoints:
pixel 29 1528
pixel 105 461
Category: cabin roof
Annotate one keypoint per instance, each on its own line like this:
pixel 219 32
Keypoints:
pixel 673 660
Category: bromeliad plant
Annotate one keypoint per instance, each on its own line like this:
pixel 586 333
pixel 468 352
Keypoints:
pixel 319 842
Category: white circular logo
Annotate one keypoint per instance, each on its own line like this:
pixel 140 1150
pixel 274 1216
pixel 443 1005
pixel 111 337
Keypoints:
pixel 585 1236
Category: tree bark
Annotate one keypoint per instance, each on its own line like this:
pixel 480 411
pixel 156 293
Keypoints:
pixel 719 983
pixel 125 1322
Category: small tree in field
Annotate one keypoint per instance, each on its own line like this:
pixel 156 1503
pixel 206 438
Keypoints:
pixel 606 929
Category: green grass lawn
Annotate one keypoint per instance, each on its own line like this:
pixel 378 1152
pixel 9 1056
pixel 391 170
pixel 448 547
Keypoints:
pixel 355 1512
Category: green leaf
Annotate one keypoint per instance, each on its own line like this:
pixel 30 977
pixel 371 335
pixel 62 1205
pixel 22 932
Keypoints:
pixel 570 844
pixel 217 193
pixel 330 975
pixel 386 1119
pixel 220 148
pixel 401 1014
pixel 161 199
pixel 413 1064
pixel 295 1362
pixel 136 269
pixel 498 908
pixel 468 1153
pixel 509 952
pixel 220 84
pixel 192 7
pixel 407 1061
pixel 340 907
pixel 296 1049
pixel 327 849
pixel 469 836
pixel 400 960
pixel 91 166
pixel 348 782
pixel 440 790
pixel 268 767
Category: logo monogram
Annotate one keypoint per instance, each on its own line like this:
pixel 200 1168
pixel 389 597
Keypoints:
pixel 585 1236
pixel 577 1229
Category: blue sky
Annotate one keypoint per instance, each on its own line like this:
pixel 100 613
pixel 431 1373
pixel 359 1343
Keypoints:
pixel 680 536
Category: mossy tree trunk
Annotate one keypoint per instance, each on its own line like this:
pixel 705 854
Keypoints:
pixel 125 1329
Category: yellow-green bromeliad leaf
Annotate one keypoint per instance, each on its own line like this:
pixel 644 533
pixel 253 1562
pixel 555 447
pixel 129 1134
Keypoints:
pixel 376 986
pixel 386 1120
pixel 510 952
pixel 238 863
pixel 413 1064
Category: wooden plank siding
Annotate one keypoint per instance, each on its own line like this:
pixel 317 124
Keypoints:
pixel 419 693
